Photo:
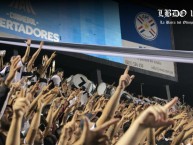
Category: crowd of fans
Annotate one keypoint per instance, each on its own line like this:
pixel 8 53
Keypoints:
pixel 41 109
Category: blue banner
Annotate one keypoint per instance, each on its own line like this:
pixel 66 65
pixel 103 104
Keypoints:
pixel 92 22
pixel 142 25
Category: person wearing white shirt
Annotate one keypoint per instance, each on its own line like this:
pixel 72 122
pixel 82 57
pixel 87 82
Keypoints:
pixel 57 77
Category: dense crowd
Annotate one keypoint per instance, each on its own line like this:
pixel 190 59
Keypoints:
pixel 42 109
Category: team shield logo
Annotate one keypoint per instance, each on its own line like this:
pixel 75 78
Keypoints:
pixel 146 26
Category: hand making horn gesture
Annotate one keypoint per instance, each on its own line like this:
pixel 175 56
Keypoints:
pixel 153 117
pixel 13 68
pixel 125 79
pixel 19 109
pixel 157 116
pixel 21 104
pixel 97 136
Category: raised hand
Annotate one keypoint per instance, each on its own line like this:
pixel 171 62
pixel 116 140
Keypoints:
pixel 19 109
pixel 28 42
pixel 44 59
pixel 42 71
pixel 156 116
pixel 41 103
pixel 125 79
pixel 57 102
pixel 55 90
pixel 188 126
pixel 21 104
pixel 17 85
pixel 72 95
pixel 152 117
pixel 34 88
pixel 13 69
pixel 34 57
pixel 53 54
pixel 72 122
pixel 45 89
pixel 47 98
pixel 96 135
pixel 180 116
pixel 27 52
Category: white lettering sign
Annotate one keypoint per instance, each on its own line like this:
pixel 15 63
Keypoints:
pixel 29 30
pixel 162 67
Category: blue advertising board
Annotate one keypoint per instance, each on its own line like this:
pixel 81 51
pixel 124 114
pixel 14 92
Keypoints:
pixel 142 25
pixel 95 22
pixel 92 22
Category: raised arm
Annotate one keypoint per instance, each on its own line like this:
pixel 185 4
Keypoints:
pixel 188 131
pixel 49 119
pixel 34 126
pixel 25 57
pixel 160 130
pixel 112 104
pixel 32 60
pixel 43 93
pixel 59 109
pixel 13 69
pixel 154 116
pixel 177 140
pixel 96 136
pixel 151 136
pixel 19 108
pixel 47 63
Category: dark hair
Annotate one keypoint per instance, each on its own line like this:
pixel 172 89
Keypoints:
pixel 64 81
pixel 73 87
pixel 126 125
pixel 45 110
pixel 83 88
pixel 58 70
pixel 169 133
pixel 58 131
pixel 123 97
pixel 99 113
pixel 69 117
pixel 80 108
pixel 43 123
pixel 50 140
pixel 39 66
